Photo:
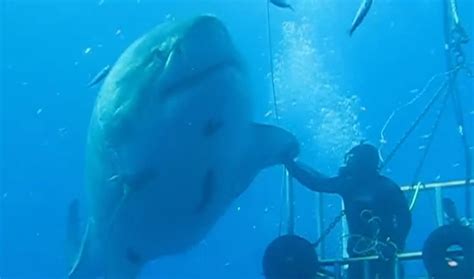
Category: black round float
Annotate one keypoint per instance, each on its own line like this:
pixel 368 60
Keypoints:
pixel 290 257
pixel 439 263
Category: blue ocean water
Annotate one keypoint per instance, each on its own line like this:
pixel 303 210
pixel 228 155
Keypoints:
pixel 332 90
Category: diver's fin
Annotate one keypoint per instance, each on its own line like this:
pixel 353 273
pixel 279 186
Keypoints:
pixel 272 145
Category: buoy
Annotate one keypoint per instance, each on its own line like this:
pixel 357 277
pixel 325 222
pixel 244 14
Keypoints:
pixel 290 257
pixel 459 264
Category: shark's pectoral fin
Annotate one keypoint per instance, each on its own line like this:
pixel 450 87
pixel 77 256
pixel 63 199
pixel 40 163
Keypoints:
pixel 271 146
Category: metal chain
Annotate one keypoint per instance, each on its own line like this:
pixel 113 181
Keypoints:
pixel 330 228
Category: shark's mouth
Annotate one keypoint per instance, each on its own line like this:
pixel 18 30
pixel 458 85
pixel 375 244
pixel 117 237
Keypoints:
pixel 191 80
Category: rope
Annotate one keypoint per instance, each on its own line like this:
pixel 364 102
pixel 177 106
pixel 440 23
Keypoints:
pixel 425 111
pixel 383 141
pixel 454 11
pixel 415 195
pixel 270 48
pixel 275 105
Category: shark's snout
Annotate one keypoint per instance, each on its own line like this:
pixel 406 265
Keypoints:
pixel 204 47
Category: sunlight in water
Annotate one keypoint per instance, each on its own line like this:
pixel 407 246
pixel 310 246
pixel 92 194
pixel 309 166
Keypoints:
pixel 309 99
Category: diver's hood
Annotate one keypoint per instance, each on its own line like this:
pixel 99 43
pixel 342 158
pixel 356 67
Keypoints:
pixel 362 158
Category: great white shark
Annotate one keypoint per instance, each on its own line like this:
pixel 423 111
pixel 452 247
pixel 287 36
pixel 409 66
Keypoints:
pixel 171 144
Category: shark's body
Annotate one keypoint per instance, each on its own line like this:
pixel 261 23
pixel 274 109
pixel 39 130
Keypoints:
pixel 171 145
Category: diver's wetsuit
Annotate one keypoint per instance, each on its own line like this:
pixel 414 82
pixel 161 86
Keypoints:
pixel 370 196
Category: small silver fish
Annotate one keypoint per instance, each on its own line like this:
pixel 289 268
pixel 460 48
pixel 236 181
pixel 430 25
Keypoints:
pixel 282 4
pixel 361 13
pixel 100 76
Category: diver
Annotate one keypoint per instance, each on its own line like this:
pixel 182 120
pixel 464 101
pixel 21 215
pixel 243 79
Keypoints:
pixel 376 209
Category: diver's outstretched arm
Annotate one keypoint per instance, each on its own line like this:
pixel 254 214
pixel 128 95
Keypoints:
pixel 313 179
